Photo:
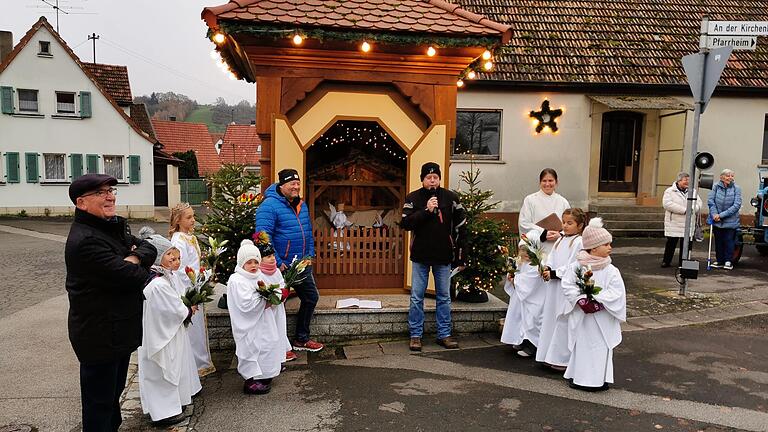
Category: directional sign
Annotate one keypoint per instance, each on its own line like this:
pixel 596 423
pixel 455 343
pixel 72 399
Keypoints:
pixel 703 71
pixel 738 28
pixel 743 43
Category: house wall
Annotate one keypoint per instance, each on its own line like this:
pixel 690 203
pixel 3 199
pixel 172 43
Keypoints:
pixel 105 133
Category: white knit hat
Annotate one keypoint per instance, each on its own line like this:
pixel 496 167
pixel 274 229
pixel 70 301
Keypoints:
pixel 247 252
pixel 595 235
pixel 160 243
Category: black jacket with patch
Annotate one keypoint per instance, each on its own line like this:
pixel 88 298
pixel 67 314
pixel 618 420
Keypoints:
pixel 438 237
pixel 105 292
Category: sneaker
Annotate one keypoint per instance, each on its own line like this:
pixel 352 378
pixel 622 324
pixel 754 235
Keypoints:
pixel 309 345
pixel 290 356
pixel 716 265
pixel 728 265
pixel 256 387
pixel 415 344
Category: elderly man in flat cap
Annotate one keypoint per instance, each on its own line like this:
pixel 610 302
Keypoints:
pixel 107 269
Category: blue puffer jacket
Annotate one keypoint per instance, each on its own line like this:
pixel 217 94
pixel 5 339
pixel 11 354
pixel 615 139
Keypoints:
pixel 726 202
pixel 291 233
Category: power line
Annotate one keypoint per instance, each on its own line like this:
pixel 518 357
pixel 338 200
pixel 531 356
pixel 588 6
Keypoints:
pixel 163 66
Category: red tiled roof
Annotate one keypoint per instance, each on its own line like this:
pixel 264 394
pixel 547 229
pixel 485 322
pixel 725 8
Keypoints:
pixel 114 79
pixel 181 137
pixel 246 143
pixel 42 22
pixel 413 16
pixel 140 115
pixel 616 41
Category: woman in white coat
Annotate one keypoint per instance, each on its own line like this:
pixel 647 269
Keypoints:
pixel 539 205
pixel 675 202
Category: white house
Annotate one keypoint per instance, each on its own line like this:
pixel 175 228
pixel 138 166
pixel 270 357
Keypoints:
pixel 626 124
pixel 59 122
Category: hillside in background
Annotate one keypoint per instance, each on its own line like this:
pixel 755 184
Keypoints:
pixel 216 117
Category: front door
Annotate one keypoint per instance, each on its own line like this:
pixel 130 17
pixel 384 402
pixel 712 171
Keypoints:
pixel 161 185
pixel 620 151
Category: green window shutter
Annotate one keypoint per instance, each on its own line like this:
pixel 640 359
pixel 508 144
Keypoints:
pixel 12 167
pixel 134 168
pixel 30 159
pixel 92 163
pixel 6 99
pixel 76 160
pixel 85 104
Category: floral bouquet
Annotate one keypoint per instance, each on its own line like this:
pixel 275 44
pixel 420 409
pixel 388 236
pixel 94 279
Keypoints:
pixel 510 261
pixel 295 273
pixel 201 290
pixel 587 287
pixel 534 252
pixel 272 293
pixel 213 253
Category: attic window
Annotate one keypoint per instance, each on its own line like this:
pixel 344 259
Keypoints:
pixel 45 49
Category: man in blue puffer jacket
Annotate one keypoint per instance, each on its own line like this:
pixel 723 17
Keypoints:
pixel 724 204
pixel 285 218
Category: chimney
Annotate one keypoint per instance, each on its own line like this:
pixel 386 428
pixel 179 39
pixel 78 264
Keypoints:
pixel 6 44
pixel 172 118
pixel 253 122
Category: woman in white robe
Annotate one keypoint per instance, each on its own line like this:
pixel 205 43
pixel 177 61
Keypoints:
pixel 593 336
pixel 167 373
pixel 538 205
pixel 553 340
pixel 182 223
pixel 259 345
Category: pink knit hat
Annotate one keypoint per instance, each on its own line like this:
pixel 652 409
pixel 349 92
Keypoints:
pixel 595 235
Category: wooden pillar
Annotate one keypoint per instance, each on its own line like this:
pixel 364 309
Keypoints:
pixel 445 112
pixel 267 106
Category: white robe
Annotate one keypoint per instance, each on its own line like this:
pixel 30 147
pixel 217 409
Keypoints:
pixel 538 206
pixel 259 345
pixel 167 372
pixel 526 299
pixel 553 341
pixel 592 337
pixel 198 331
pixel 280 318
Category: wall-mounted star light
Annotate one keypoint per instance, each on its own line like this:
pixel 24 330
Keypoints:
pixel 544 119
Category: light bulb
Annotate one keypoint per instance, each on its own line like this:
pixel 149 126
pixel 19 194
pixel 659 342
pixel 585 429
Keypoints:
pixel 297 39
pixel 365 47
pixel 431 51
pixel 218 38
pixel 488 65
pixel 487 55
pixel 459 83
pixel 471 74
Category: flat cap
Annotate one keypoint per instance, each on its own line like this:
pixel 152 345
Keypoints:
pixel 89 183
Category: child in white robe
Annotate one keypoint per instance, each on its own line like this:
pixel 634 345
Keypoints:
pixel 540 204
pixel 272 275
pixel 553 340
pixel 167 372
pixel 526 300
pixel 259 345
pixel 182 223
pixel 594 325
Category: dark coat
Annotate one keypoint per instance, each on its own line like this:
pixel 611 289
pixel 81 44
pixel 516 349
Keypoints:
pixel 438 237
pixel 105 292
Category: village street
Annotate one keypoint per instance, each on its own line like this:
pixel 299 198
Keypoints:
pixel 710 377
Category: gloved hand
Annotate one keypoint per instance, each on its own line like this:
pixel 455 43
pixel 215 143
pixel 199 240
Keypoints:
pixel 590 305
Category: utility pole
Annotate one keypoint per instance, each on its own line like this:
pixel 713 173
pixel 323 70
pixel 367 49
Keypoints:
pixel 94 37
pixel 232 117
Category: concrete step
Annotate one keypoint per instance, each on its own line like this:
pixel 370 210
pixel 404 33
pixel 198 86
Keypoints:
pixel 391 321
pixel 613 209
pixel 637 232
pixel 644 225
pixel 653 217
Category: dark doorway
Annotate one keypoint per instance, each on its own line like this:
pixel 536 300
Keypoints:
pixel 620 141
pixel 161 184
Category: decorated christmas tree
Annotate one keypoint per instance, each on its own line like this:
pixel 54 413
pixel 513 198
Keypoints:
pixel 488 241
pixel 231 212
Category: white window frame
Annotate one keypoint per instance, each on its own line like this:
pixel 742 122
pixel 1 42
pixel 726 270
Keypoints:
pixel 104 162
pixel 74 104
pixel 40 51
pixel 45 178
pixel 37 101
pixel 481 157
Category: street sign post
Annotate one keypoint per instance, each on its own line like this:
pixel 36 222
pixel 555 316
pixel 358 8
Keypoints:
pixel 744 43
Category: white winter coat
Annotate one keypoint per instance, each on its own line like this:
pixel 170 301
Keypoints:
pixel 674 216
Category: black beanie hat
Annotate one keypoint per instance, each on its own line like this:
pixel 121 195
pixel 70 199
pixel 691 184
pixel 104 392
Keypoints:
pixel 287 175
pixel 430 168
pixel 266 249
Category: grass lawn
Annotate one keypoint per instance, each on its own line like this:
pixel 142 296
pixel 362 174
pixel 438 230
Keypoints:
pixel 204 114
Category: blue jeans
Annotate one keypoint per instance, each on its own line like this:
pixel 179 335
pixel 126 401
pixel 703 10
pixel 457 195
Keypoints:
pixel 308 294
pixel 419 280
pixel 725 242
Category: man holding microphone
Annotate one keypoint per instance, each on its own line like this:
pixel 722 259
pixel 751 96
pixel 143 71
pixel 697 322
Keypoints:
pixel 437 221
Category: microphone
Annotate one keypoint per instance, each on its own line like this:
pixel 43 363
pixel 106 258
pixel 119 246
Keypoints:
pixel 433 194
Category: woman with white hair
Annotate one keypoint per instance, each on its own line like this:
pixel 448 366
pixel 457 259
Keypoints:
pixel 724 204
pixel 675 203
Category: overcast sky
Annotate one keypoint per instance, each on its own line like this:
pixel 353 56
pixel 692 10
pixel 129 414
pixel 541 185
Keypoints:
pixel 162 42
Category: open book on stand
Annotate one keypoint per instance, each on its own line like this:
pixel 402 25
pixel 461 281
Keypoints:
pixel 353 303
